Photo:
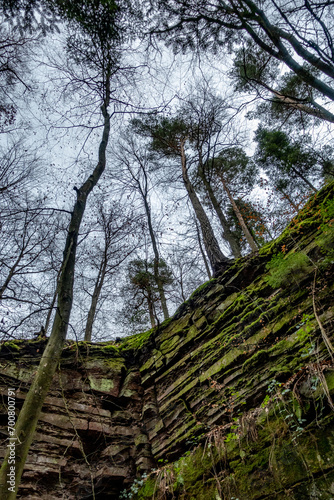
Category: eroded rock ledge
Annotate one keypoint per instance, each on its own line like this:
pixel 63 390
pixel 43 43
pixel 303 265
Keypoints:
pixel 228 399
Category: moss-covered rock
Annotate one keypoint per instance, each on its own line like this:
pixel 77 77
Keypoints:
pixel 231 398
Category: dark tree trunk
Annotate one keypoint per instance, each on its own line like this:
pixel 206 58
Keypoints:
pixel 48 318
pixel 95 298
pixel 216 257
pixel 29 415
pixel 281 52
pixel 287 197
pixel 227 235
pixel 299 174
pixel 207 267
pixel 11 273
pixel 151 310
pixel 156 262
pixel 249 237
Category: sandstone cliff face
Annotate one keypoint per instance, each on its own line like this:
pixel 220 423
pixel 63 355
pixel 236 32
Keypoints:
pixel 230 399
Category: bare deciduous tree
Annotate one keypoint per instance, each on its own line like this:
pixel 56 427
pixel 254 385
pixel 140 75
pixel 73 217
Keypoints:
pixel 112 245
pixel 134 162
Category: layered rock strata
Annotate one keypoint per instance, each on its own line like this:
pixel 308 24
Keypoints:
pixel 230 398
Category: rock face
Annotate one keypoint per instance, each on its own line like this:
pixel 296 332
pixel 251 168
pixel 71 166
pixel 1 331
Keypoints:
pixel 229 399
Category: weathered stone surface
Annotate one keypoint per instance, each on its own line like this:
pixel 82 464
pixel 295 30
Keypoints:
pixel 231 398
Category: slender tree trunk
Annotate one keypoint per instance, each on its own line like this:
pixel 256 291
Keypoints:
pixel 268 232
pixel 151 310
pixel 304 179
pixel 207 267
pixel 11 273
pixel 14 269
pixel 95 298
pixel 287 197
pixel 282 53
pixel 242 223
pixel 156 260
pixel 290 102
pixel 215 255
pixel 318 111
pixel 29 415
pixel 184 298
pixel 48 318
pixel 54 298
pixel 227 235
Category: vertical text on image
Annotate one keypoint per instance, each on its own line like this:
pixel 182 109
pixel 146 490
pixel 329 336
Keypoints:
pixel 12 439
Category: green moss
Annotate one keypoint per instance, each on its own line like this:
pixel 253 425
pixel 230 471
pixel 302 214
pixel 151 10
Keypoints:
pixel 103 364
pixel 329 376
pixel 225 361
pixel 235 304
pixel 247 469
pixel 165 323
pixel 284 323
pixel 273 246
pixel 148 490
pixel 109 349
pixel 154 361
pixel 257 359
pixel 136 342
pixel 201 288
pixel 192 466
pixel 12 345
pixel 24 374
pixel 101 384
pixel 170 344
pixel 311 216
pixel 91 350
